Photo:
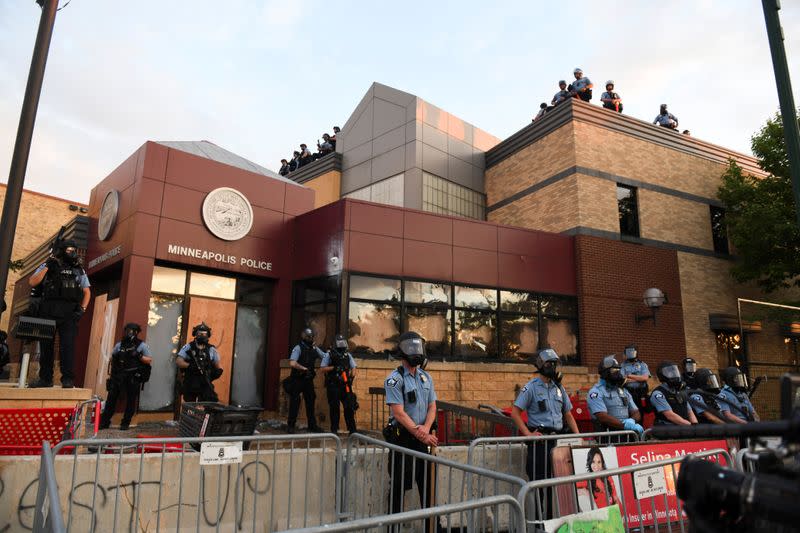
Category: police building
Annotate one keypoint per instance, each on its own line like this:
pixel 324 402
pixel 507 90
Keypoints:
pixel 489 248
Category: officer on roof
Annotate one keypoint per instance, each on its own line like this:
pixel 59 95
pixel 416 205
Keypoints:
pixel 666 119
pixel 549 412
pixel 636 374
pixel 582 87
pixel 562 95
pixel 667 399
pixel 65 296
pixel 704 397
pixel 200 363
pixel 411 398
pixel 130 368
pixel 611 406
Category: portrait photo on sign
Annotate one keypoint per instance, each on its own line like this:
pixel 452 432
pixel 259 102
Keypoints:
pixel 602 491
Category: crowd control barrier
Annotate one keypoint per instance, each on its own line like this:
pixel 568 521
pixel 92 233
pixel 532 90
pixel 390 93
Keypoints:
pixel 162 484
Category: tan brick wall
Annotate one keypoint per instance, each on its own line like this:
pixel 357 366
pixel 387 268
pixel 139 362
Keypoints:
pixel 40 216
pixel 669 218
pixel 327 188
pixel 534 163
pixel 597 204
pixel 554 208
pixel 466 384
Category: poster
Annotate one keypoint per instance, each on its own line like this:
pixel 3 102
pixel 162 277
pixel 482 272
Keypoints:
pixel 655 487
pixel 606 520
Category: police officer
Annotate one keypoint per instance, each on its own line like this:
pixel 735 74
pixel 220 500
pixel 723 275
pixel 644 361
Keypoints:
pixel 128 359
pixel 65 296
pixel 562 95
pixel 581 87
pixel 704 397
pixel 733 400
pixel 611 406
pixel 548 408
pixel 302 360
pixel 340 370
pixel 689 370
pixel 412 400
pixel 669 403
pixel 201 365
pixel 636 374
pixel 610 99
pixel 666 119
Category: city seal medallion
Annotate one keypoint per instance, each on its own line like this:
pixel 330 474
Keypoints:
pixel 227 214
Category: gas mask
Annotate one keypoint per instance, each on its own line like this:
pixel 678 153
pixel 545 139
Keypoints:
pixel 201 338
pixel 413 351
pixel 614 377
pixel 550 370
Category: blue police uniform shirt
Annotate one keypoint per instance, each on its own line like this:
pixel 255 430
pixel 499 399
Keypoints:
pixel 615 401
pixel 559 97
pixel 698 404
pixel 579 84
pixel 83 279
pixel 295 355
pixel 212 353
pixel 664 119
pixel 326 359
pixel 556 403
pixel 143 349
pixel 398 386
pixel 659 401
pixel 638 368
pixel 736 403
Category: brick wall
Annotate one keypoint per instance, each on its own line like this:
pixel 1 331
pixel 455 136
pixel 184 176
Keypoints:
pixel 612 276
pixel 553 208
pixel 40 216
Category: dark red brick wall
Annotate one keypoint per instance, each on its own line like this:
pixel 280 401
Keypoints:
pixel 612 277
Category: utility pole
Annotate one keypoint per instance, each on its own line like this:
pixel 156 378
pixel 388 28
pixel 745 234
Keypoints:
pixel 785 97
pixel 22 145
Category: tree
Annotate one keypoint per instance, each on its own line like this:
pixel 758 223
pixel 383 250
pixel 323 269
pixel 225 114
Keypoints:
pixel 760 214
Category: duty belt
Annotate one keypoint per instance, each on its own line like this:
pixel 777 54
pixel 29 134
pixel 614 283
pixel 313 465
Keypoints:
pixel 544 430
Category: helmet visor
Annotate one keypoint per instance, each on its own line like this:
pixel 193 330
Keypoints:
pixel 712 382
pixel 740 380
pixel 691 366
pixel 631 354
pixel 671 372
pixel 412 347
pixel 547 356
pixel 341 343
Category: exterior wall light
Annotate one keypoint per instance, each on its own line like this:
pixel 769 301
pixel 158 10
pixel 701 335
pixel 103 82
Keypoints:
pixel 653 299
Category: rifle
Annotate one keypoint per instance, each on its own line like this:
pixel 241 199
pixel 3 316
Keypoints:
pixel 202 371
pixel 350 397
pixel 35 299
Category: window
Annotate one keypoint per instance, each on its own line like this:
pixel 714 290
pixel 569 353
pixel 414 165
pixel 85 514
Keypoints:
pixel 315 306
pixel 719 231
pixel 389 191
pixel 448 198
pixel 466 323
pixel 168 280
pixel 212 286
pixel 628 207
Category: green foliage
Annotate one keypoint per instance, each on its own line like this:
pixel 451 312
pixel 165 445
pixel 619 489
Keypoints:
pixel 760 215
pixel 14 266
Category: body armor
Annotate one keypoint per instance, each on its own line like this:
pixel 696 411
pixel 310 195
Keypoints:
pixel 61 291
pixel 340 363
pixel 126 360
pixel 678 404
pixel 307 357
pixel 202 357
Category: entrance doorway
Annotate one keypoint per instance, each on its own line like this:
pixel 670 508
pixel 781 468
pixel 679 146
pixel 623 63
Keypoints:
pixel 236 310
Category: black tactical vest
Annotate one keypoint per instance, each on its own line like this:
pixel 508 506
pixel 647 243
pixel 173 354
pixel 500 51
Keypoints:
pixel 127 358
pixel 307 357
pixel 677 403
pixel 63 285
pixel 340 363
pixel 199 356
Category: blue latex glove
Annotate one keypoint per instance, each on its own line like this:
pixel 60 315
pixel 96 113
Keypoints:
pixel 638 429
pixel 630 424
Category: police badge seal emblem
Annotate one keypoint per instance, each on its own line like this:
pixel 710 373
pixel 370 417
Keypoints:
pixel 227 214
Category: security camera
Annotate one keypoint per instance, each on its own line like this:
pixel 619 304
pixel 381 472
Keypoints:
pixel 334 260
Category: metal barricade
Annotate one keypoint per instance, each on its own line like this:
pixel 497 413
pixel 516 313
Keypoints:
pixel 371 465
pixel 460 425
pixel 279 482
pixel 378 410
pixel 566 498
pixel 47 517
pixel 489 506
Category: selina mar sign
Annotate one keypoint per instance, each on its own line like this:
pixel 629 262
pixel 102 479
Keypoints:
pixel 218 257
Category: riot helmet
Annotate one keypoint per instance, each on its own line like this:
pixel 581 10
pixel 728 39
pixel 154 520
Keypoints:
pixel 68 251
pixel 340 342
pixel 663 108
pixel 562 82
pixel 201 333
pixel 631 353
pixel 689 366
pixel 578 72
pixel 307 335
pixel 611 371
pixel 132 330
pixel 707 381
pixel 412 348
pixel 548 363
pixel 669 373
pixel 610 82
pixel 735 379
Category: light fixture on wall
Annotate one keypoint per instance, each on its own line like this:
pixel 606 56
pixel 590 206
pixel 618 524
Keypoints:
pixel 653 299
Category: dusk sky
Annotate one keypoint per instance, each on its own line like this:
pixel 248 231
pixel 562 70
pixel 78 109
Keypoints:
pixel 258 78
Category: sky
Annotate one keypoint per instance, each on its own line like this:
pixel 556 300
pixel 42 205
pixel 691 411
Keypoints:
pixel 260 77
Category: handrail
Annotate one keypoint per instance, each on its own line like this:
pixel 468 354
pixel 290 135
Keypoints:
pixel 53 520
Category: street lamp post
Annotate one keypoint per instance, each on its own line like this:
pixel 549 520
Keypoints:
pixel 22 145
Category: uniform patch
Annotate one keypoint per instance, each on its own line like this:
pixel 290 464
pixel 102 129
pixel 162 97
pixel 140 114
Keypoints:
pixel 423 377
pixel 593 395
pixel 658 396
pixel 391 382
pixel 524 389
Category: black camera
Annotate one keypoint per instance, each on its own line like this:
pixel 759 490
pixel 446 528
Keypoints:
pixel 719 499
